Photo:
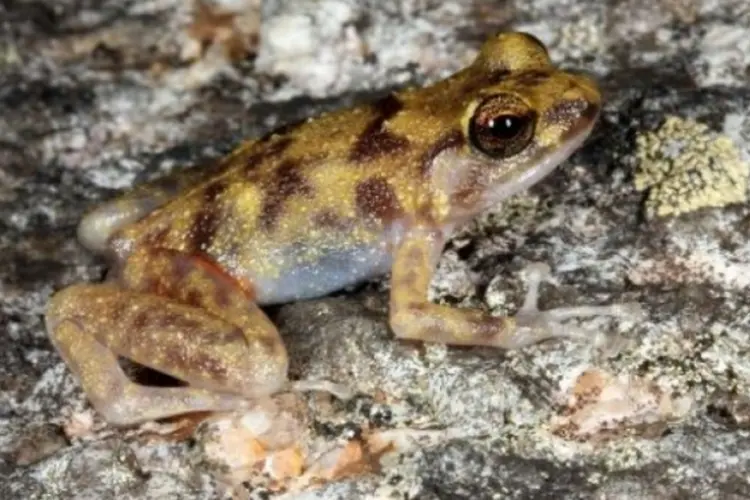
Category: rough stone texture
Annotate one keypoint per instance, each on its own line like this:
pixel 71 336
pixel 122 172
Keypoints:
pixel 97 95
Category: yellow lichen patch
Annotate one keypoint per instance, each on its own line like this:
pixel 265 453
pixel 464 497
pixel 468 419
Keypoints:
pixel 687 167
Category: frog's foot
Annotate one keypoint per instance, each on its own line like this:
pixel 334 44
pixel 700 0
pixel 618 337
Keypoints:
pixel 533 325
pixel 414 317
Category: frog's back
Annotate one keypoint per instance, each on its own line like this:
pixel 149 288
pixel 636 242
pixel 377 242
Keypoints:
pixel 332 185
pixel 274 191
pixel 311 205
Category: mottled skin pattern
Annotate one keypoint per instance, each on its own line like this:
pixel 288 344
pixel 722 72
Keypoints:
pixel 324 204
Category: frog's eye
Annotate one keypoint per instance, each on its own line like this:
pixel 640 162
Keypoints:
pixel 502 126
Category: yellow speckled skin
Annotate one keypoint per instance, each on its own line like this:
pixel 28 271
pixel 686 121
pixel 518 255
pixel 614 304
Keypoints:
pixel 305 211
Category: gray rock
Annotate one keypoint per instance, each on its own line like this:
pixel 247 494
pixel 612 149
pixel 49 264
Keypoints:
pixel 97 96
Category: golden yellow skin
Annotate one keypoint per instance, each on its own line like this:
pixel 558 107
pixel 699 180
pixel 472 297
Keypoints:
pixel 327 203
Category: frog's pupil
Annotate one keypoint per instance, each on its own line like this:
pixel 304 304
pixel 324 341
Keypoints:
pixel 505 127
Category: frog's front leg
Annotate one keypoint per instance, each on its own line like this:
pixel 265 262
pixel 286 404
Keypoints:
pixel 413 317
pixel 177 314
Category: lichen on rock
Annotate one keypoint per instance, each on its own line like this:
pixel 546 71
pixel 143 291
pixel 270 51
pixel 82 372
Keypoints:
pixel 686 167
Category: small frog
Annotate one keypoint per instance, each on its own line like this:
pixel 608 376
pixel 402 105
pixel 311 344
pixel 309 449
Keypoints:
pixel 302 212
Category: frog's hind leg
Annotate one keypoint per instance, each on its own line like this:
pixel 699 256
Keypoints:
pixel 177 314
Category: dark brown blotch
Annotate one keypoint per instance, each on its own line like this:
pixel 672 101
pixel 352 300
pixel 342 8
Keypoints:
pixel 197 298
pixel 222 294
pixel 157 236
pixel 208 218
pixel 453 139
pixel 174 319
pixel 498 75
pixel 376 140
pixel 477 83
pixel 266 150
pixel 149 284
pixel 287 181
pixel 388 106
pixel 532 77
pixel 182 266
pixel 118 309
pixel 178 284
pixel 376 199
pixel 194 298
pixel 140 321
pixel 209 366
pixel 228 336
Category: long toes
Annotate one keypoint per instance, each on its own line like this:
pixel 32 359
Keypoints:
pixel 339 391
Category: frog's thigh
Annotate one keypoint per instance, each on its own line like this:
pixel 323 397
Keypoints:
pixel 119 400
pixel 226 358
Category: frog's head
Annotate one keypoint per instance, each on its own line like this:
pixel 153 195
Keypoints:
pixel 520 118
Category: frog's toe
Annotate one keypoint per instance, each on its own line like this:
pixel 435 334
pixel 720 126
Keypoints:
pixel 340 391
pixel 534 325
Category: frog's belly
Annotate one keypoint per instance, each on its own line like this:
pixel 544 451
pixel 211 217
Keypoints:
pixel 305 278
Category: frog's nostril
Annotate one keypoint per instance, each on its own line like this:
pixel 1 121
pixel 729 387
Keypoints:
pixel 581 120
pixel 586 84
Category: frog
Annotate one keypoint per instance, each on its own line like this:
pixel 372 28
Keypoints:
pixel 299 213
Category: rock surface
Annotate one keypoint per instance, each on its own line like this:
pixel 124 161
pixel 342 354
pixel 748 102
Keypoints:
pixel 95 96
